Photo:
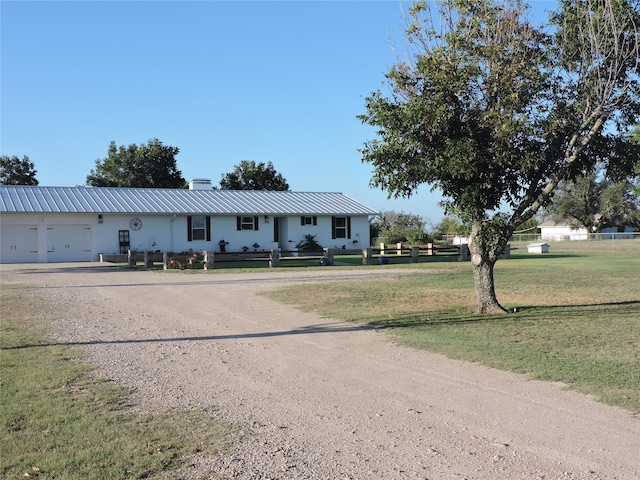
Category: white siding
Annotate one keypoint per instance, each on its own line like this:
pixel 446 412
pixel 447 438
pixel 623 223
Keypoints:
pixel 83 237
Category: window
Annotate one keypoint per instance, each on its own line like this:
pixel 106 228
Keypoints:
pixel 247 223
pixel 308 220
pixel 123 237
pixel 198 228
pixel 341 227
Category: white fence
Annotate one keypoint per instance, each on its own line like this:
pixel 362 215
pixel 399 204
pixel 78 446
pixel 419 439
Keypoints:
pixel 623 241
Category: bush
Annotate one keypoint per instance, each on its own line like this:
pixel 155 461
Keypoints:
pixel 309 243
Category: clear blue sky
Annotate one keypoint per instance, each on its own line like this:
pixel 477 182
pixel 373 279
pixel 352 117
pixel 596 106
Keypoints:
pixel 222 81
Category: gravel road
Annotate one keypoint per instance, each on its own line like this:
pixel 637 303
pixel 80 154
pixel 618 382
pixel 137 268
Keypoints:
pixel 317 398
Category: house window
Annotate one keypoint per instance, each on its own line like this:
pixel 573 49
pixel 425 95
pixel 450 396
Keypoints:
pixel 341 227
pixel 247 223
pixel 198 228
pixel 308 220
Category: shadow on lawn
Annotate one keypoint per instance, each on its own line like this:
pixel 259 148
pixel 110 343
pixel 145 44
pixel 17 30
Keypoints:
pixel 431 319
pixel 462 316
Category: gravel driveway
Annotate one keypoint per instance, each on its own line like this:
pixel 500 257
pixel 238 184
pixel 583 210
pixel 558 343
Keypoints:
pixel 317 398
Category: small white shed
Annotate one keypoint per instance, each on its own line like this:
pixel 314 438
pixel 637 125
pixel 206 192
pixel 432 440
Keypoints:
pixel 538 247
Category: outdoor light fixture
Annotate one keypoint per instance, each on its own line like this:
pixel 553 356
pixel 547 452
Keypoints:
pixel 100 219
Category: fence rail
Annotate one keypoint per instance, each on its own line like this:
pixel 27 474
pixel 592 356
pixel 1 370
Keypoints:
pixel 627 242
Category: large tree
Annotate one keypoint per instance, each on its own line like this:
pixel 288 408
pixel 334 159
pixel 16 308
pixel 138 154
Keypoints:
pixel 495 112
pixel 249 175
pixel 14 171
pixel 150 165
pixel 634 138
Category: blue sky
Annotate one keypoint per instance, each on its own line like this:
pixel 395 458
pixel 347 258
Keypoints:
pixel 222 81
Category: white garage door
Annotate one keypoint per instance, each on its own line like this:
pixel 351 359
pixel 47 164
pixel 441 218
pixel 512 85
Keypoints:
pixel 19 244
pixel 68 243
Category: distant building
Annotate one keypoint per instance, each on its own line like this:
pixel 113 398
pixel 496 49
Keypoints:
pixel 551 231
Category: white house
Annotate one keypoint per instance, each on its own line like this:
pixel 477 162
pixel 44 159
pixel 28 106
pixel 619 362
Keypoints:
pixel 61 224
pixel 551 231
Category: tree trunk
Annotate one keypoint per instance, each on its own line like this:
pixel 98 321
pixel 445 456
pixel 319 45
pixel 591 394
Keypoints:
pixel 486 301
pixel 483 260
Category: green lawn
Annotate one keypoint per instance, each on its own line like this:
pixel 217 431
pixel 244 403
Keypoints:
pixel 578 319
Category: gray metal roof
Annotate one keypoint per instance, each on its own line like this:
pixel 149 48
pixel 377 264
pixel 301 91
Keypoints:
pixel 28 199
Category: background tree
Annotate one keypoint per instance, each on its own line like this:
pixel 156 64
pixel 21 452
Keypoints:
pixel 14 171
pixel 450 226
pixel 151 165
pixel 620 206
pixel 595 203
pixel 529 227
pixel 400 227
pixel 495 113
pixel 249 175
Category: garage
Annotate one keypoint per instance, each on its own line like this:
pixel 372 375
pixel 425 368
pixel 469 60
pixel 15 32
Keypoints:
pixel 19 244
pixel 68 243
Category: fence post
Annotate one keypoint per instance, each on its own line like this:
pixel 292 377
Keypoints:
pixel 148 259
pixel 274 257
pixel 367 256
pixel 381 248
pixel 463 252
pixel 131 258
pixel 399 248
pixel 165 260
pixel 429 249
pixel 415 253
pixel 207 260
pixel 328 255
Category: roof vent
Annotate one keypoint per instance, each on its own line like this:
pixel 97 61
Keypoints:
pixel 200 184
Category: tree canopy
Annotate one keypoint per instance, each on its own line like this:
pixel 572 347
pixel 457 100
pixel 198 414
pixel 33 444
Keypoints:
pixel 400 227
pixel 495 112
pixel 14 171
pixel 249 175
pixel 595 203
pixel 151 165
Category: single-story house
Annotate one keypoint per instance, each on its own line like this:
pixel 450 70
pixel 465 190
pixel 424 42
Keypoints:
pixel 551 231
pixel 62 224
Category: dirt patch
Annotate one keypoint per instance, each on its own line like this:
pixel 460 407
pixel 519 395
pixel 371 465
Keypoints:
pixel 321 399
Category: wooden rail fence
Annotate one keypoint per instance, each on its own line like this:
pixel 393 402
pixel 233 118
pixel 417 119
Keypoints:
pixel 275 257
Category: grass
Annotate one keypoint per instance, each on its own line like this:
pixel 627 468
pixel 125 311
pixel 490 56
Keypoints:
pixel 579 323
pixel 578 320
pixel 58 421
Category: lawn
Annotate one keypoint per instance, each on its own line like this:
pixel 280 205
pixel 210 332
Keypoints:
pixel 577 320
pixel 59 421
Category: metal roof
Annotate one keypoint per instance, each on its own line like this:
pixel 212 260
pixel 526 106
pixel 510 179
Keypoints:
pixel 159 201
